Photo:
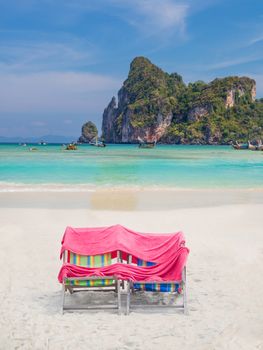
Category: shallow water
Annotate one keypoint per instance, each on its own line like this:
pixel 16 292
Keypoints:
pixel 178 166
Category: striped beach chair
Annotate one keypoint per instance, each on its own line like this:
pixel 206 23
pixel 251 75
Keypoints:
pixel 91 283
pixel 175 287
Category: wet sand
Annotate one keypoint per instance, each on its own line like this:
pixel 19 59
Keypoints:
pixel 129 199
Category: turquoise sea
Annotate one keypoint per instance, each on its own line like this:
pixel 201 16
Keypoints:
pixel 177 166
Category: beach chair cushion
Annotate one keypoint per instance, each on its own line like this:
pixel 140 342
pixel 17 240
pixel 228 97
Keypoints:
pixel 90 261
pixel 156 287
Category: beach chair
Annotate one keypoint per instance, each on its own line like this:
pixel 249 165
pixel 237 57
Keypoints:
pixel 176 288
pixel 91 283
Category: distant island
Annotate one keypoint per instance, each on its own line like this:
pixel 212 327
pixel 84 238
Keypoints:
pixel 89 132
pixel 154 105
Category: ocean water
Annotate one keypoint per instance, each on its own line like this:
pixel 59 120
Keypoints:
pixel 166 166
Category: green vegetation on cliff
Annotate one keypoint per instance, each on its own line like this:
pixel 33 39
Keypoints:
pixel 154 104
pixel 242 123
pixel 151 91
pixel 219 112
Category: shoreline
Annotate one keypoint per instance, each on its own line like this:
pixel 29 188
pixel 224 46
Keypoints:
pixel 10 187
pixel 130 199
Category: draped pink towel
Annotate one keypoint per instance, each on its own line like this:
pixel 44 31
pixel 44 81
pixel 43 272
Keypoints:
pixel 166 250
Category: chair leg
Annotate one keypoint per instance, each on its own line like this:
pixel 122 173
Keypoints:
pixel 185 292
pixel 119 296
pixel 128 298
pixel 63 297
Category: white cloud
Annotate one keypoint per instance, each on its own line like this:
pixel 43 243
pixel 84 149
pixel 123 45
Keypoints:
pixel 42 79
pixel 160 17
pixel 256 40
pixel 232 62
pixel 155 17
pixel 36 55
pixel 163 14
pixel 55 92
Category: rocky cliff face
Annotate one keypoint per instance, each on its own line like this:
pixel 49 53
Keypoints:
pixel 143 110
pixel 196 113
pixel 108 121
pixel 154 105
pixel 237 92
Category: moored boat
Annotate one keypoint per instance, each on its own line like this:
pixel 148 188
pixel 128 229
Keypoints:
pixel 146 144
pixel 259 146
pixel 42 143
pixel 251 147
pixel 71 147
pixel 237 145
pixel 97 143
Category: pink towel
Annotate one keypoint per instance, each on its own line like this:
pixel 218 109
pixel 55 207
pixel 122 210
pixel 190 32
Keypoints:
pixel 166 250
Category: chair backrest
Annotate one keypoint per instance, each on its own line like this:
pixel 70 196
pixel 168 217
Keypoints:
pixel 141 262
pixel 89 260
pixel 156 286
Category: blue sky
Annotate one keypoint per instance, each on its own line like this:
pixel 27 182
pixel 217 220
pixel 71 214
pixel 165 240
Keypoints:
pixel 61 61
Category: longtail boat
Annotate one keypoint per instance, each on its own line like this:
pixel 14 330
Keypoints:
pixel 71 147
pixel 145 144
pixel 251 147
pixel 97 143
pixel 237 145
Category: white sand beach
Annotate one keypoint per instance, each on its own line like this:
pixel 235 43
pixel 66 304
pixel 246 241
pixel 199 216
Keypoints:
pixel 224 271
